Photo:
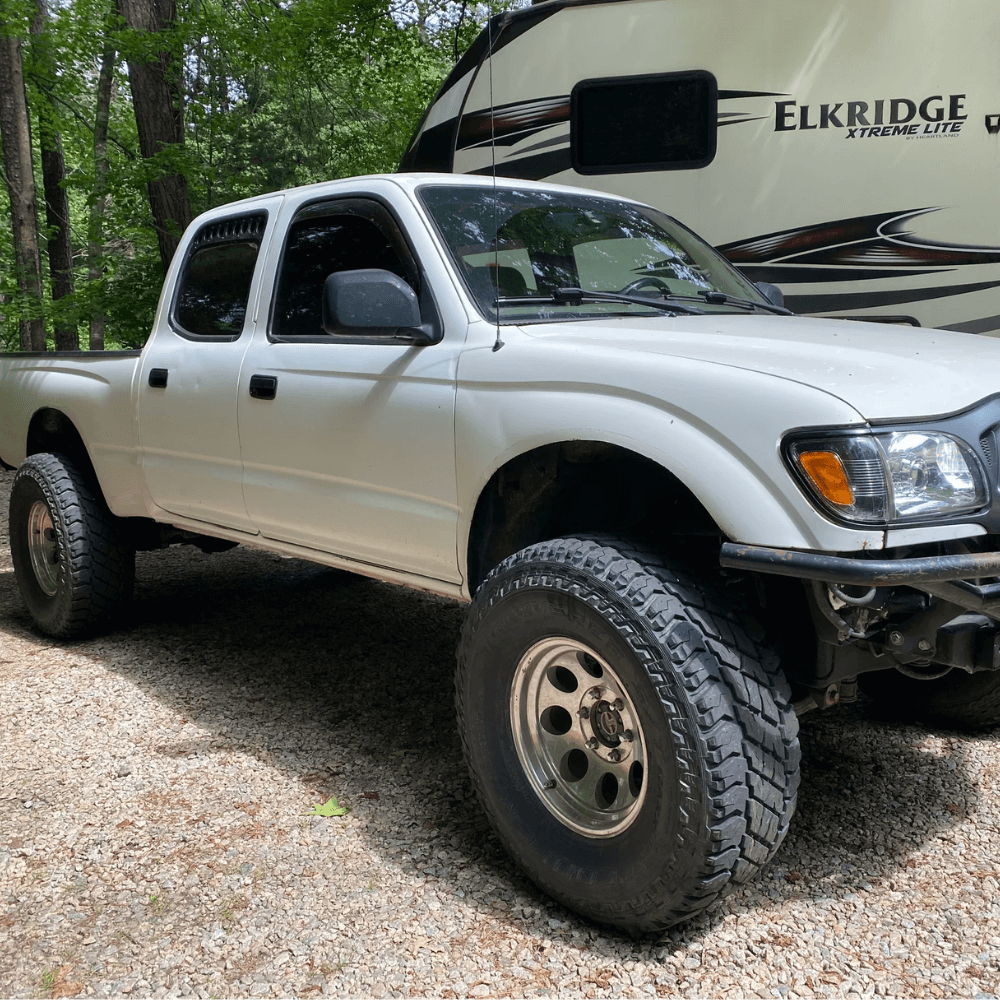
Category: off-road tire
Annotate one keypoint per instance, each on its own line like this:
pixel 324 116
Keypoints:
pixel 960 700
pixel 721 737
pixel 95 565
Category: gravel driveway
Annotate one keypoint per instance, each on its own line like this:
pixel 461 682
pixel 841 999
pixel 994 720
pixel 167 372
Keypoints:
pixel 153 838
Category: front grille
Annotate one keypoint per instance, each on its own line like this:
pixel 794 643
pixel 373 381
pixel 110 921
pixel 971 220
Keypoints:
pixel 986 443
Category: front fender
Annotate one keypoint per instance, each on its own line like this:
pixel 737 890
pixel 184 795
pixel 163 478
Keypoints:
pixel 716 428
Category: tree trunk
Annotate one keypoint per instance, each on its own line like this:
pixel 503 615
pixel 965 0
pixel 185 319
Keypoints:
pixel 159 116
pixel 60 248
pixel 15 128
pixel 95 236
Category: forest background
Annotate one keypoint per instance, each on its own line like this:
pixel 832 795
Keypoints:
pixel 124 119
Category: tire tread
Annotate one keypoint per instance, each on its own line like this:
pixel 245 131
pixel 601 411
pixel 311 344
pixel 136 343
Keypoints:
pixel 98 564
pixel 747 730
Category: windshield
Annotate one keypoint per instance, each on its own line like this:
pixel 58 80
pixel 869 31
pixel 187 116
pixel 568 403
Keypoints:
pixel 517 249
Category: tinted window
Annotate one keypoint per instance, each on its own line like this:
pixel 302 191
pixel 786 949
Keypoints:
pixel 663 122
pixel 215 286
pixel 318 247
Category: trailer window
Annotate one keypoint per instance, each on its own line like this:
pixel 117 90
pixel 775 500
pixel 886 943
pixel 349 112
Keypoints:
pixel 665 121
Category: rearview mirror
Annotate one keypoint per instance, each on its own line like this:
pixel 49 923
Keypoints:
pixel 368 300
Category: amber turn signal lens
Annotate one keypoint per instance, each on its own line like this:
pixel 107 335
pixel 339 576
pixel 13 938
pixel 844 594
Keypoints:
pixel 824 468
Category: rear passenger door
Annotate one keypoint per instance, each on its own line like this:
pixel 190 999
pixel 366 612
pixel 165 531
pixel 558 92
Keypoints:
pixel 188 385
pixel 351 447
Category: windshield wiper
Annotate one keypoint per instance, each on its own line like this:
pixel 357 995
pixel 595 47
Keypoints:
pixel 724 298
pixel 575 296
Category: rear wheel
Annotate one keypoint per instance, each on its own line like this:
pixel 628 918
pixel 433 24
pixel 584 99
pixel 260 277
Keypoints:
pixel 74 567
pixel 966 701
pixel 633 749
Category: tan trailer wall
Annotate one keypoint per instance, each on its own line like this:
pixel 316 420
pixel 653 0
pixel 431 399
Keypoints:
pixel 765 179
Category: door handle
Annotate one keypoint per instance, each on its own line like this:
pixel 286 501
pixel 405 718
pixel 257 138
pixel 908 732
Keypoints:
pixel 158 378
pixel 263 386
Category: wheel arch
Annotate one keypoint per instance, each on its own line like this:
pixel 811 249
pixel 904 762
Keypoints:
pixel 575 486
pixel 50 430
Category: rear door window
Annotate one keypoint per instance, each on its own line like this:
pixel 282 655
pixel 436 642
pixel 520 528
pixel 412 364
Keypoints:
pixel 214 289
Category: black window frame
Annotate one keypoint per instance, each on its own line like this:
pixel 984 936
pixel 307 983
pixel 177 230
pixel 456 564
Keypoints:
pixel 214 234
pixel 379 212
pixel 654 165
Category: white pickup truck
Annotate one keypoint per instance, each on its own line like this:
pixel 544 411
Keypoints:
pixel 681 515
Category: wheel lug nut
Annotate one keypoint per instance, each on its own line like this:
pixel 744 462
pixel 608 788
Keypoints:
pixel 619 704
pixel 550 784
pixel 591 744
pixel 615 755
pixel 584 712
pixel 594 692
pixel 628 736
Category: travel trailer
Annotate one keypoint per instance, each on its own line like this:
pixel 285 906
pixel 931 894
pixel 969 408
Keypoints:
pixel 846 151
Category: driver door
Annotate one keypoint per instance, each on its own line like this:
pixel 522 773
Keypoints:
pixel 351 450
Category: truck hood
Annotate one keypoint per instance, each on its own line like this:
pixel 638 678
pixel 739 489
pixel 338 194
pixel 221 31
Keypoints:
pixel 883 371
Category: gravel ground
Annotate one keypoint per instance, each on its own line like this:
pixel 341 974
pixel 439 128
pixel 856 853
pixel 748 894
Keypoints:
pixel 154 842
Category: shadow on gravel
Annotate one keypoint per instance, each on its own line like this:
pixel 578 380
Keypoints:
pixel 347 684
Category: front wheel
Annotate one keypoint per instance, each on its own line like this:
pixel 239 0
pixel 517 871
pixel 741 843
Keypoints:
pixel 633 750
pixel 73 566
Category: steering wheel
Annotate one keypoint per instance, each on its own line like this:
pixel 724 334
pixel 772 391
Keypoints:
pixel 646 279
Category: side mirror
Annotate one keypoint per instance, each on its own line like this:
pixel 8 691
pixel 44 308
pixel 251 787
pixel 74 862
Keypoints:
pixel 772 293
pixel 370 300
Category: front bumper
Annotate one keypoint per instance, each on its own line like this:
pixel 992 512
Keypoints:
pixel 945 576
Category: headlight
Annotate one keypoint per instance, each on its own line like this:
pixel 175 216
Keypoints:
pixel 898 475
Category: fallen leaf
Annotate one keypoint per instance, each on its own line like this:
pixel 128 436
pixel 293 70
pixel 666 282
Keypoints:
pixel 329 808
pixel 793 877
pixel 370 795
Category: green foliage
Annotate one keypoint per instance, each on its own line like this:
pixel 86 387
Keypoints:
pixel 276 94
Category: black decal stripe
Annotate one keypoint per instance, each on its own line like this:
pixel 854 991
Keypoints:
pixel 506 123
pixel 510 139
pixel 434 150
pixel 772 246
pixel 740 121
pixel 735 95
pixel 791 274
pixel 873 240
pixel 869 300
pixel 889 253
pixel 531 168
pixel 897 227
pixel 557 140
pixel 984 325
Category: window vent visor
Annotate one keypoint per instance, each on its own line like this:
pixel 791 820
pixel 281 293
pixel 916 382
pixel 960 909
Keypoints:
pixel 242 228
